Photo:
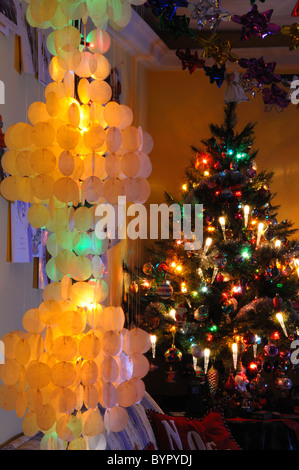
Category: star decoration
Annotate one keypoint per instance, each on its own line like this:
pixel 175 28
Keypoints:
pixel 190 61
pixel 256 24
pixel 208 12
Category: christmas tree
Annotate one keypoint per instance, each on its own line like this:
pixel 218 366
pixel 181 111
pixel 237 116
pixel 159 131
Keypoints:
pixel 228 308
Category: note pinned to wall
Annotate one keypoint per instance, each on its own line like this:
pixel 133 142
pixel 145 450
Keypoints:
pixel 21 242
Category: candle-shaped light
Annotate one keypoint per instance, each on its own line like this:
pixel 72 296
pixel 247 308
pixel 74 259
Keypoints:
pixel 153 343
pixel 206 359
pixel 246 214
pixel 194 362
pixel 235 354
pixel 172 313
pixel 281 321
pixel 259 233
pixel 207 245
pixel 200 273
pixel 254 347
pixel 222 223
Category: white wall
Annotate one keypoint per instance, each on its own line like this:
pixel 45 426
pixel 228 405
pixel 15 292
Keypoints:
pixel 16 292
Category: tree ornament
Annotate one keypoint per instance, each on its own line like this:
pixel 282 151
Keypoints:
pixel 181 316
pixel 201 313
pixel 269 234
pixel 241 378
pixel 249 338
pixel 220 261
pixel 171 375
pixel 284 354
pixel 258 384
pixel 213 379
pixel 231 386
pixel 283 383
pixel 197 351
pixel 173 355
pixel 147 268
pixel 268 366
pixel 165 290
pixel 270 350
pixel 251 173
pixel 277 303
pixel 251 370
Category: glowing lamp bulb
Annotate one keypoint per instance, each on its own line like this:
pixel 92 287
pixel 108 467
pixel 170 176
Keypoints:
pixel 206 359
pixel 281 321
pixel 278 244
pixel 153 339
pixel 246 214
pixel 259 232
pixel 207 245
pixel 172 313
pixel 222 223
pixel 235 354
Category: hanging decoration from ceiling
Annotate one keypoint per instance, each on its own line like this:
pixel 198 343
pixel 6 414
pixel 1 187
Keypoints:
pixel 190 61
pixel 209 13
pixel 256 24
pixel 56 14
pixel 77 150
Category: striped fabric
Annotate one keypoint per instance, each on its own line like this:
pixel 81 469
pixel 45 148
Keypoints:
pixel 138 433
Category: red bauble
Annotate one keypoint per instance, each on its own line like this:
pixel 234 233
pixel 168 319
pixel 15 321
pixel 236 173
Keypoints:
pixel 249 338
pixel 231 385
pixel 295 11
pixel 277 302
pixel 252 370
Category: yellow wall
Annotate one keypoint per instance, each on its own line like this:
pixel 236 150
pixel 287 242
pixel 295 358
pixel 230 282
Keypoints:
pixel 181 107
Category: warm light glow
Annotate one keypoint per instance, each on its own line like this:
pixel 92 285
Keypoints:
pixel 206 173
pixel 153 339
pixel 184 187
pixel 179 268
pixel 207 245
pixel 281 321
pixel 259 232
pixel 235 354
pixel 277 243
pixel 172 313
pixel 206 359
pixel 222 223
pixel 246 213
pixel 183 287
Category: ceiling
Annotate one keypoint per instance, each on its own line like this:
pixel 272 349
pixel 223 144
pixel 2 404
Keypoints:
pixel 228 30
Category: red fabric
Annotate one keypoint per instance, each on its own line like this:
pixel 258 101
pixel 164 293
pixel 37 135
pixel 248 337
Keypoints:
pixel 292 424
pixel 179 433
pixel 150 446
pixel 295 11
pixel 217 432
